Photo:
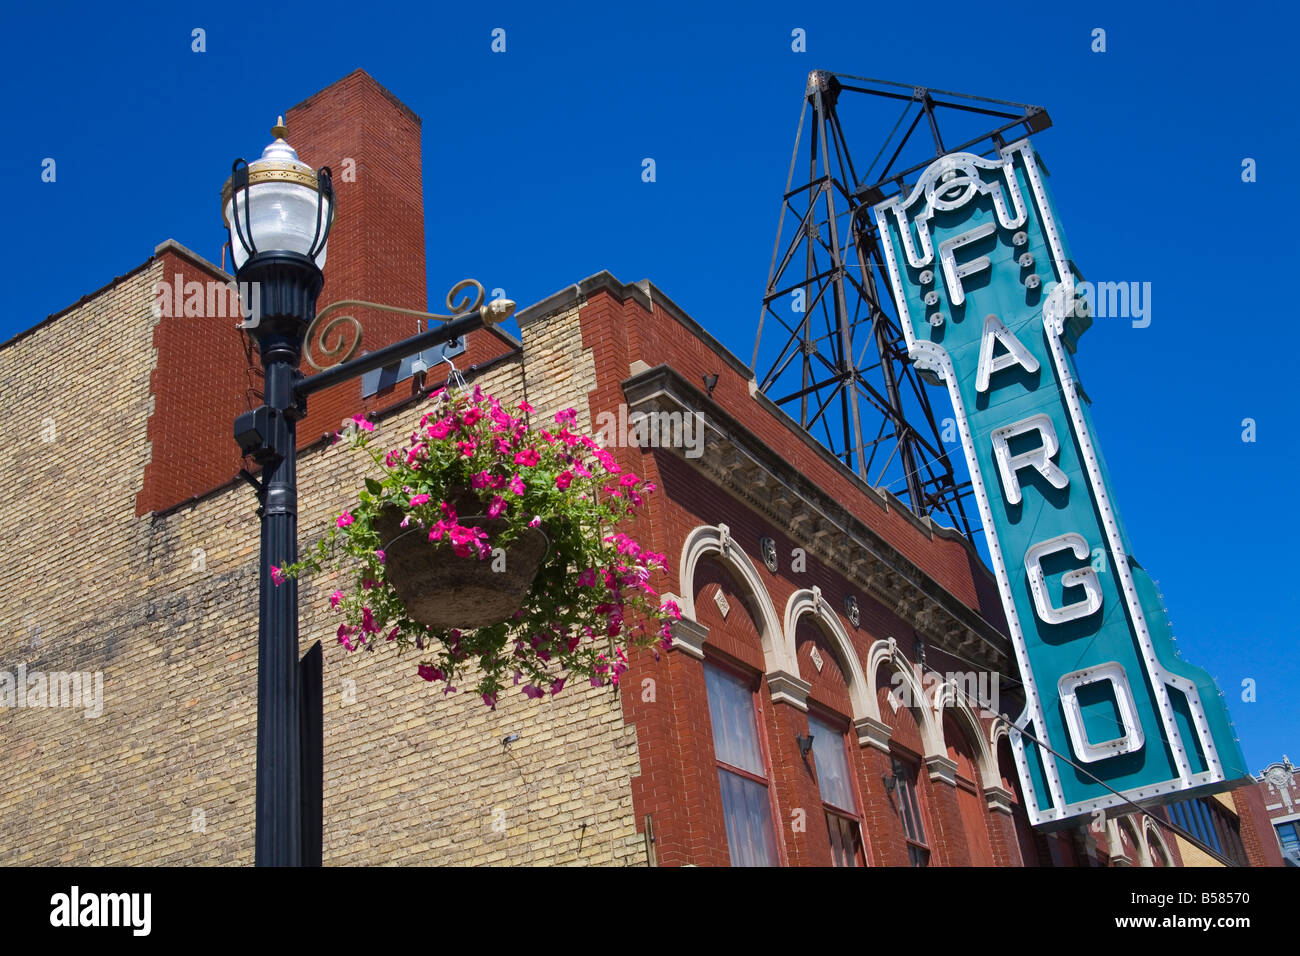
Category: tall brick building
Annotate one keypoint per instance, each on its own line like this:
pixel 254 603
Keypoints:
pixel 813 603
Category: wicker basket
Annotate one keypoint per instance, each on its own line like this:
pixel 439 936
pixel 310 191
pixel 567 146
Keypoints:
pixel 442 590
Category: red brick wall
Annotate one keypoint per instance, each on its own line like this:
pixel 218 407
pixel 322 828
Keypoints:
pixel 1256 832
pixel 205 377
pixel 673 731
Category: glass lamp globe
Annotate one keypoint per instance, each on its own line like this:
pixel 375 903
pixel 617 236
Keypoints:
pixel 278 204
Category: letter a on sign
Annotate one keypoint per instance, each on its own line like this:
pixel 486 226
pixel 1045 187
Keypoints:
pixel 1016 354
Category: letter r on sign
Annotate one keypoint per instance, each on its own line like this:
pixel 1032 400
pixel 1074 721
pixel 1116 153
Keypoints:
pixel 1040 458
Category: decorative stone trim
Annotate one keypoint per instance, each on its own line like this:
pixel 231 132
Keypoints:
pixel 788 689
pixel 943 769
pixel 740 463
pixel 872 733
pixel 689 637
pixel 999 799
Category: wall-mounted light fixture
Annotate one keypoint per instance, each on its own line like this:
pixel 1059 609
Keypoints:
pixel 509 739
pixel 891 779
pixel 805 744
pixel 710 383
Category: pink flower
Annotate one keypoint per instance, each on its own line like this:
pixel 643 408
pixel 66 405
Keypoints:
pixel 439 430
pixel 429 672
pixel 368 622
pixel 516 485
pixel 471 416
pixel 480 480
pixel 566 417
pixel 628 479
pixel 532 693
pixel 380 556
pixel 563 480
pixel 557 686
pixel 392 634
pixel 467 447
pixel 490 700
pixel 335 598
pixel 417 500
pixel 498 505
pixel 360 421
pixel 535 522
pixel 344 520
pixel 528 457
pixel 277 576
pixel 345 635
pixel 525 407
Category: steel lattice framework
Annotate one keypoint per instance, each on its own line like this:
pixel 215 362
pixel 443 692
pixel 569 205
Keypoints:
pixel 842 363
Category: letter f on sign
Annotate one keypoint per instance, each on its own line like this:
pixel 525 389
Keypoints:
pixel 953 272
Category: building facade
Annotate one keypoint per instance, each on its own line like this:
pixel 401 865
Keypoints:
pixel 832 692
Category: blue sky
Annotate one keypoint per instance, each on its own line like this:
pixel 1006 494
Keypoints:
pixel 532 162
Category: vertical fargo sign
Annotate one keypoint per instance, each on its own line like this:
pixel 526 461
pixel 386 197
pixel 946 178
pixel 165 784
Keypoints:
pixel 986 295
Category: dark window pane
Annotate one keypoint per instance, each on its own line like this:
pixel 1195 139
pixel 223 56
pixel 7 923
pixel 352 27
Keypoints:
pixel 845 842
pixel 908 805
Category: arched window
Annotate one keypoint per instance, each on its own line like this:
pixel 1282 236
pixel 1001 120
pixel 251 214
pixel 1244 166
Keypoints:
pixel 1155 848
pixel 970 794
pixel 898 698
pixel 835 783
pixel 742 767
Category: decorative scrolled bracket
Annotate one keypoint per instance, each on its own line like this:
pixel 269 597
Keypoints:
pixel 331 337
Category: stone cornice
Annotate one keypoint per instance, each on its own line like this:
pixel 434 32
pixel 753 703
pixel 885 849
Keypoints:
pixel 689 637
pixel 872 733
pixel 942 769
pixel 788 689
pixel 999 799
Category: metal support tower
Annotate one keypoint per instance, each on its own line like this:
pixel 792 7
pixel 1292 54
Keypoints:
pixel 841 357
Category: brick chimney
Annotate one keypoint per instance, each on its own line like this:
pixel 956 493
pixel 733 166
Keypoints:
pixel 206 374
pixel 371 142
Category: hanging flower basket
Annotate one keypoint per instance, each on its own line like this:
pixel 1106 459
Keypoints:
pixel 443 591
pixel 484 544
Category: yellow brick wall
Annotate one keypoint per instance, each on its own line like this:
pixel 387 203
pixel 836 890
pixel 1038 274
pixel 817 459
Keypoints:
pixel 165 607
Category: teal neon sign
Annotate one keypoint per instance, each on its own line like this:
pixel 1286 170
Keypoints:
pixel 989 303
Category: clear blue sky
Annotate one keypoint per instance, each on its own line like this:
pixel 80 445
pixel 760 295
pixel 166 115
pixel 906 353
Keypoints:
pixel 532 162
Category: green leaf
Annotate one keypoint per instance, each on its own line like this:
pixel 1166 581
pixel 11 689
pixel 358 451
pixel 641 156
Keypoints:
pixel 374 487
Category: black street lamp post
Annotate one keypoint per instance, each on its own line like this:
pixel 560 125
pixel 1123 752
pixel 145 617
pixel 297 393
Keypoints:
pixel 279 213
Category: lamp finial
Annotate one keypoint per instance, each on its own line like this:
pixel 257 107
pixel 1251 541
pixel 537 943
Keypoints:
pixel 279 130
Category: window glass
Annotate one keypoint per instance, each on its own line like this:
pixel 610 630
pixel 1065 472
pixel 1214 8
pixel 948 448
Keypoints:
pixel 1289 836
pixel 845 844
pixel 735 733
pixel 832 765
pixel 749 821
pixel 746 805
